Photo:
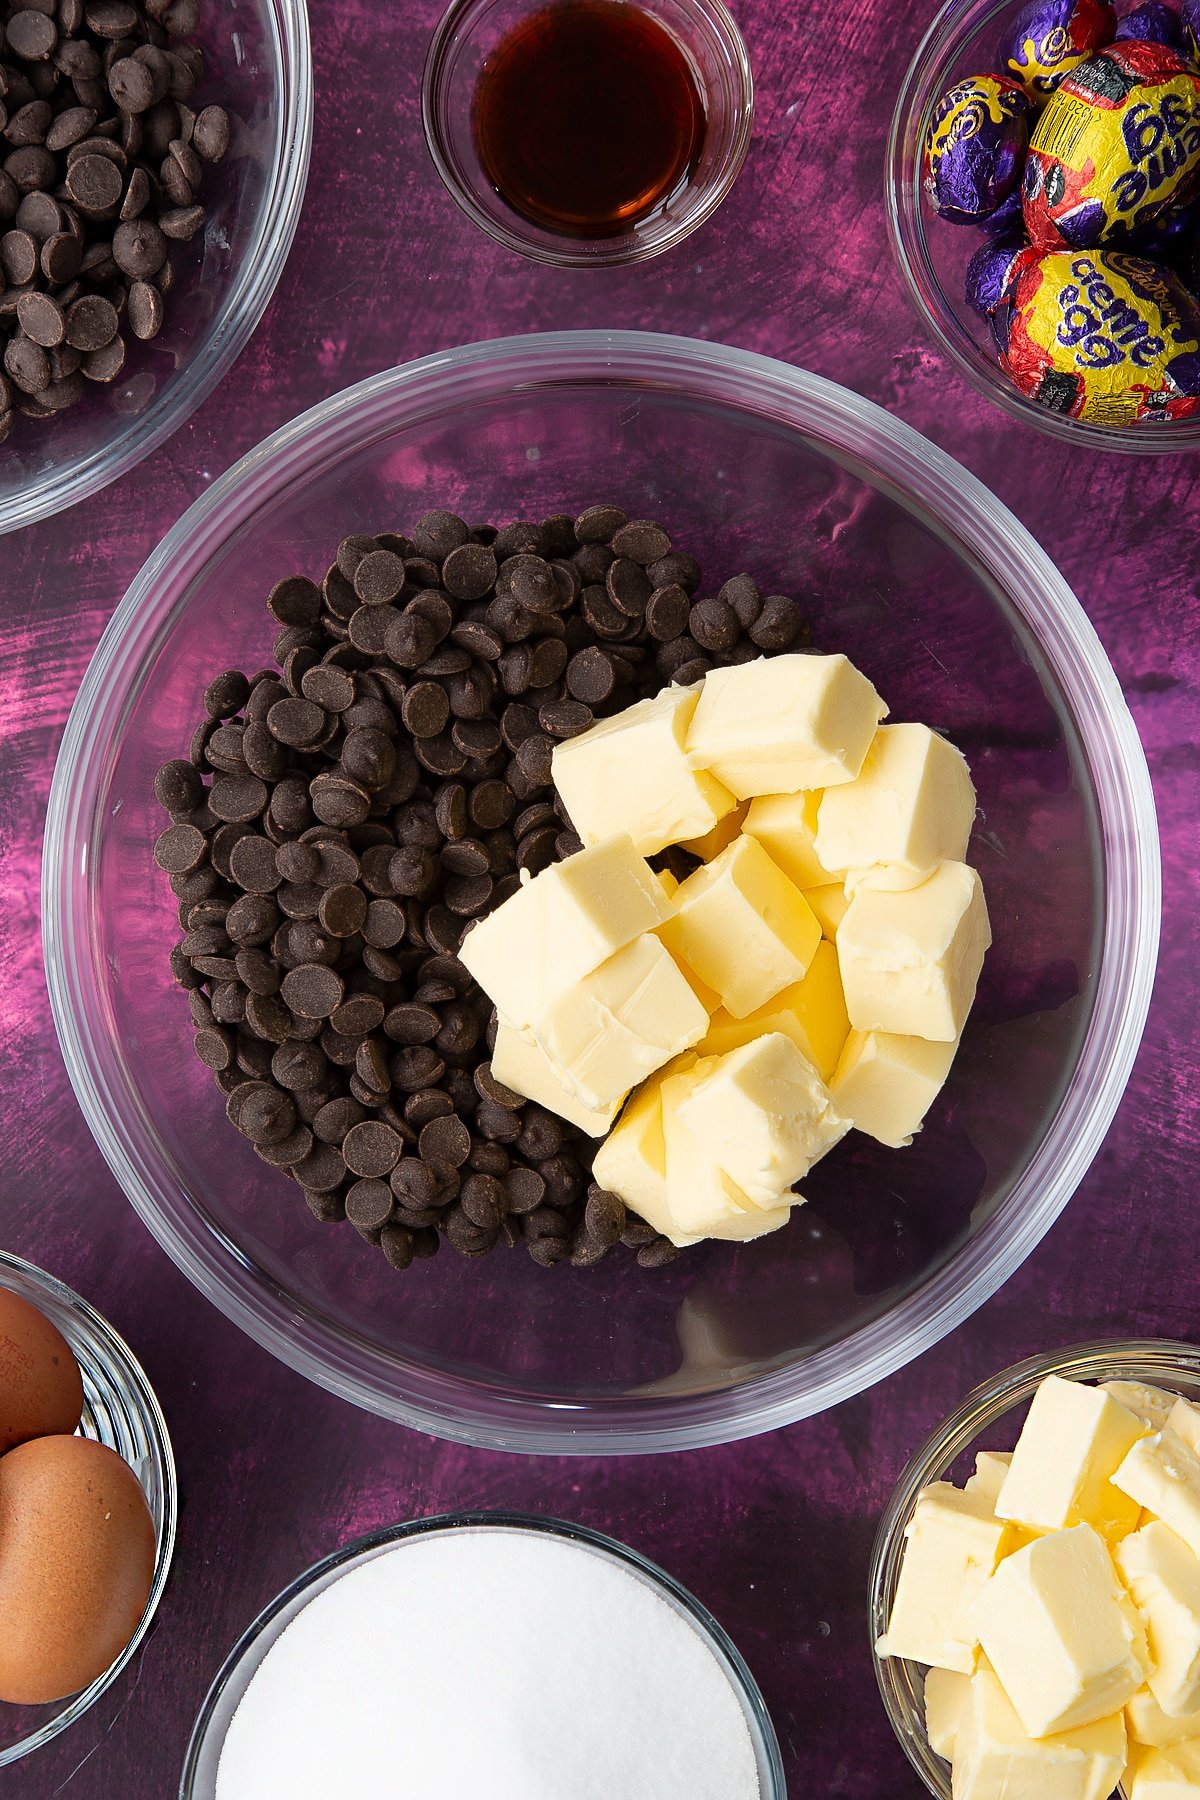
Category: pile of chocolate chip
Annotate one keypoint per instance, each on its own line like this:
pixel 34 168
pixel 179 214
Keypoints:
pixel 340 822
pixel 100 171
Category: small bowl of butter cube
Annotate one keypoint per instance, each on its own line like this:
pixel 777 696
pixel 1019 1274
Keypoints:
pixel 1035 1585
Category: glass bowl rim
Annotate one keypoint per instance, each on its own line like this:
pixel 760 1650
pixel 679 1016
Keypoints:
pixel 754 1707
pixel 902 204
pixel 243 304
pixel 630 247
pixel 932 482
pixel 135 1385
pixel 1103 1359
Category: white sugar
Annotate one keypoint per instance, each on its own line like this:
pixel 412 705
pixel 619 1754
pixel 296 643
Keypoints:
pixel 489 1665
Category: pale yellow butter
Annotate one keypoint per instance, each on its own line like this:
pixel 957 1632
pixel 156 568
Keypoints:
pixel 946 1694
pixel 1150 1404
pixel 631 774
pixel 811 1012
pixel 991 1467
pixel 953 1543
pixel 519 1061
pixel 1161 1474
pixel 561 925
pixel 701 1199
pixel 742 927
pixel 911 805
pixel 1073 1440
pixel 632 1162
pixel 783 723
pixel 722 833
pixel 1184 1421
pixel 829 903
pixel 1061 1633
pixel 763 1115
pixel 1163 1576
pixel 1166 1774
pixel 1149 1724
pixel 885 1084
pixel 996 1759
pixel 786 827
pixel 910 961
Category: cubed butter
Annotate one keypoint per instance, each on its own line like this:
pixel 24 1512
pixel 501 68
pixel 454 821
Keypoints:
pixel 911 805
pixel 829 903
pixel 1152 1405
pixel 632 1161
pixel 1184 1421
pixel 811 1012
pixel 1149 1724
pixel 742 927
pixel 953 1544
pixel 1073 1439
pixel 786 827
pixel 1061 1633
pixel 1169 1774
pixel 1163 1576
pixel 668 882
pixel 631 774
pixel 996 1759
pixel 763 1115
pixel 519 1061
pixel 991 1467
pixel 910 961
pixel 701 1199
pixel 783 723
pixel 885 1084
pixel 561 925
pixel 722 833
pixel 1163 1475
pixel 946 1693
pixel 620 1023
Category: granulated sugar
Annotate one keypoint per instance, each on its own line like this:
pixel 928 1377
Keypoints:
pixel 489 1664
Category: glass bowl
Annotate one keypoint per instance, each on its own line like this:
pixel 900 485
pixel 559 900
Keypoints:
pixel 933 254
pixel 259 66
pixel 704 30
pixel 989 1419
pixel 199 1778
pixel 120 1410
pixel 903 561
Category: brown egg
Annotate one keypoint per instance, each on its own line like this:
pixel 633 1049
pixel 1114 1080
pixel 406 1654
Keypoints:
pixel 41 1390
pixel 77 1551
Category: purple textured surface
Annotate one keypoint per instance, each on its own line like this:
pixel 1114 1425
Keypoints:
pixel 774 1534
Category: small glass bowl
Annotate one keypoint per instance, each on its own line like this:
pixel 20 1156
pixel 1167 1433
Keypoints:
pixel 989 1419
pixel 120 1410
pixel 199 1778
pixel 260 69
pixel 703 29
pixel 933 254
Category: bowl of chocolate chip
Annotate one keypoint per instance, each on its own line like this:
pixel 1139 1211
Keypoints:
pixel 155 159
pixel 600 894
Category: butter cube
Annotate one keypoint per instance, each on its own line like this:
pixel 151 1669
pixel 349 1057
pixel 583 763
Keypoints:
pixel 782 723
pixel 910 961
pixel 632 1161
pixel 991 1467
pixel 912 805
pixel 701 1199
pixel 631 774
pixel 1169 1774
pixel 885 1084
pixel 1061 1633
pixel 621 1023
pixel 763 1115
pixel 722 834
pixel 811 1012
pixel 561 925
pixel 1149 1724
pixel 1163 1475
pixel 946 1694
pixel 1073 1440
pixel 521 1064
pixel 786 827
pixel 667 882
pixel 829 904
pixel 953 1543
pixel 1184 1420
pixel 1152 1405
pixel 1163 1576
pixel 996 1759
pixel 742 927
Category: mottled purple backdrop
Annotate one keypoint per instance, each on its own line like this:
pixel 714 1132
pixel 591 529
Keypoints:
pixel 774 1534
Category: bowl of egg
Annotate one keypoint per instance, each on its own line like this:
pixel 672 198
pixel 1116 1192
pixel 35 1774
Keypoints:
pixel 87 1507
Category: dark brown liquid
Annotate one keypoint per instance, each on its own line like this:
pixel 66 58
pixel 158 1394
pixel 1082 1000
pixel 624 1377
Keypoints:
pixel 587 117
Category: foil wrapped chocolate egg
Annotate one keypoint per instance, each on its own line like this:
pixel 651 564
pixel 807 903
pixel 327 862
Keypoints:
pixel 975 147
pixel 1048 38
pixel 1105 337
pixel 1190 19
pixel 1153 22
pixel 991 279
pixel 1008 218
pixel 1117 146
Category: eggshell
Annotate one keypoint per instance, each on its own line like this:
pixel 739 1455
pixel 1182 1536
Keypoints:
pixel 77 1552
pixel 41 1390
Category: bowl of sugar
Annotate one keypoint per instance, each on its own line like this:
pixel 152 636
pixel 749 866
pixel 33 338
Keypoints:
pixel 578 1668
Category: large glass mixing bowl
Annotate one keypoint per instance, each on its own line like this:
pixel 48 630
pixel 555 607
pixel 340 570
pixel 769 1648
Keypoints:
pixel 904 562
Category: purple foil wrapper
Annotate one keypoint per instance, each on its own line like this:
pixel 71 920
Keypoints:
pixel 1155 23
pixel 1048 38
pixel 975 147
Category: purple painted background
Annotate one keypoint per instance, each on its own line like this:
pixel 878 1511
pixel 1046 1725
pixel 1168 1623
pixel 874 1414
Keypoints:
pixel 774 1534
